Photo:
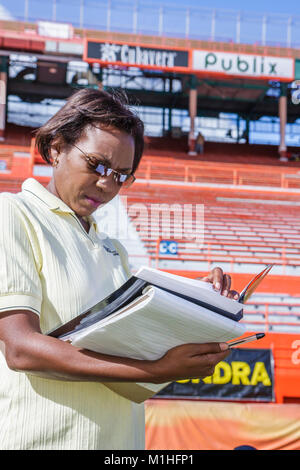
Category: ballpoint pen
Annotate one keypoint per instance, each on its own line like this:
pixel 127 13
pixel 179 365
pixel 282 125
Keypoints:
pixel 246 340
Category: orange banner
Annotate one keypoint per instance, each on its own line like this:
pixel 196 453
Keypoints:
pixel 205 425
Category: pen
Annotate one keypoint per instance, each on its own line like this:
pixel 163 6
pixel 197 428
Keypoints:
pixel 246 340
pixel 250 288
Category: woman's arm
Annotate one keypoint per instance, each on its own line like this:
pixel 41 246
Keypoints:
pixel 26 349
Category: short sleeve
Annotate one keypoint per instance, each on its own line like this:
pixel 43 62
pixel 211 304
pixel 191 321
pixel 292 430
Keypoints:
pixel 20 285
pixel 123 255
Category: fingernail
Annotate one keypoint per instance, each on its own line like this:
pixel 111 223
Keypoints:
pixel 223 346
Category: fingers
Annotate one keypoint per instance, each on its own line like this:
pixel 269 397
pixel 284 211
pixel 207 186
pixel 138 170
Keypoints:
pixel 207 356
pixel 215 277
pixel 196 349
pixel 226 284
pixel 191 360
pixel 210 365
pixel 233 294
pixel 221 282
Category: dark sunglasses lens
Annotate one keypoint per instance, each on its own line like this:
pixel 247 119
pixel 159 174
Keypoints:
pixel 118 177
pixel 122 178
pixel 101 169
pixel 128 180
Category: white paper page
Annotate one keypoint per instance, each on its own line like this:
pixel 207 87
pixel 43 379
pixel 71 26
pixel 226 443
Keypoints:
pixel 191 287
pixel 157 325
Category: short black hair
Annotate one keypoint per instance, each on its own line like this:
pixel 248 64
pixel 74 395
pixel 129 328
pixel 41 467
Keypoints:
pixel 90 107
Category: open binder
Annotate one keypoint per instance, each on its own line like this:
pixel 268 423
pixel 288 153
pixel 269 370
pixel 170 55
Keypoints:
pixel 151 313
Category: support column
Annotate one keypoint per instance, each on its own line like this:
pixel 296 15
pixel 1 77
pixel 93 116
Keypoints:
pixel 163 121
pixel 3 95
pixel 247 130
pixel 164 111
pixel 170 121
pixel 170 108
pixel 282 110
pixel 238 129
pixel 193 114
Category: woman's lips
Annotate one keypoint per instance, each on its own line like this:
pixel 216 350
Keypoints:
pixel 94 202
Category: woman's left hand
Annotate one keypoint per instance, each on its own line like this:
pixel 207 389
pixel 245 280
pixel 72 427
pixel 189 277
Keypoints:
pixel 221 283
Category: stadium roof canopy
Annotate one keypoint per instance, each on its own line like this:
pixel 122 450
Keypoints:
pixel 251 97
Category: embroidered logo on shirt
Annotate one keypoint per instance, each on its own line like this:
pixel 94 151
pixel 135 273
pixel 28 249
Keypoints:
pixel 109 250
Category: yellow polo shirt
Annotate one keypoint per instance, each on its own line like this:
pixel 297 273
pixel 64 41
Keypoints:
pixel 53 267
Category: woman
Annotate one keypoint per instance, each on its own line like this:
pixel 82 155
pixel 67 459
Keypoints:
pixel 55 264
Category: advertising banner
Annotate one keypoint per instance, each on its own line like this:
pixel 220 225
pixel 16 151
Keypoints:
pixel 245 375
pixel 178 59
pixel 136 55
pixel 243 65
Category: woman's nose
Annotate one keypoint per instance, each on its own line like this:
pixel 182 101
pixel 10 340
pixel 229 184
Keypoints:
pixel 107 183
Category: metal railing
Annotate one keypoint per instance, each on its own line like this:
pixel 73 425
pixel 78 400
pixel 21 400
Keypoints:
pixel 168 20
pixel 262 319
pixel 266 316
pixel 226 173
pixel 205 255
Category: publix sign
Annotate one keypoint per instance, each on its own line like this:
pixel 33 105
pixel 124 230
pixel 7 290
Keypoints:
pixel 247 65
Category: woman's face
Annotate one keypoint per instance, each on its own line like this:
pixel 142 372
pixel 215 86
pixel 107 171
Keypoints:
pixel 82 189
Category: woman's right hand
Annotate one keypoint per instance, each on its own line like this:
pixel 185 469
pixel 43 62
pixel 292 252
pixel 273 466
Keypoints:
pixel 189 361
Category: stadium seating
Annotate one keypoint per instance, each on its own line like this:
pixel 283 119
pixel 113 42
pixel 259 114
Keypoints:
pixel 222 152
pixel 244 229
pixel 273 313
pixel 238 227
pixel 221 170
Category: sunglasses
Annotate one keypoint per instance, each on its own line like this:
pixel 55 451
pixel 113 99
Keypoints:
pixel 94 164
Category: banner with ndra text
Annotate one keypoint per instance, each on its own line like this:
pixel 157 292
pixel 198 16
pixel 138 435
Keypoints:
pixel 245 375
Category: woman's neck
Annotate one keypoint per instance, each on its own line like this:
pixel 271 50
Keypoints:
pixel 52 189
pixel 84 223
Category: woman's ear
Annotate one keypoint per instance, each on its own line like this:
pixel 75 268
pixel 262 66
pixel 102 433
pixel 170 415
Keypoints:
pixel 55 149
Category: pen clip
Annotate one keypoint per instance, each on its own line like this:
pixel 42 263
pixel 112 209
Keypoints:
pixel 252 285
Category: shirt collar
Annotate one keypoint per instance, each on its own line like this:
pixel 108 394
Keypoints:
pixel 53 202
